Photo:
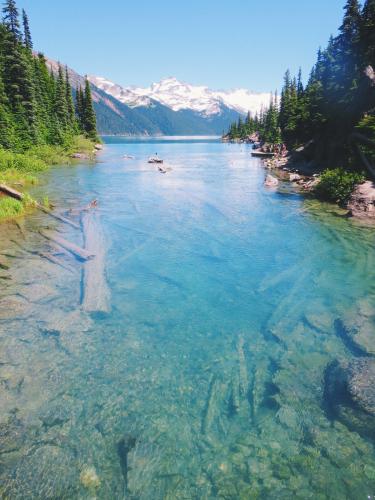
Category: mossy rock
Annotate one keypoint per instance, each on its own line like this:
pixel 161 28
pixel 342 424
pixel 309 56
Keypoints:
pixel 350 394
pixel 359 327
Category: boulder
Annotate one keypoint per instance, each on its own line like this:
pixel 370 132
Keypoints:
pixel 271 181
pixel 358 326
pixel 80 156
pixel 294 177
pixel 362 200
pixel 98 147
pixel 350 394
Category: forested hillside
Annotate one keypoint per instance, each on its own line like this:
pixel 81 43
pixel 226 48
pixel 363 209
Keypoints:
pixel 339 99
pixel 333 115
pixel 36 106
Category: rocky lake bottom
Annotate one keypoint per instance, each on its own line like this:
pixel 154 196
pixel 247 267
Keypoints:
pixel 237 357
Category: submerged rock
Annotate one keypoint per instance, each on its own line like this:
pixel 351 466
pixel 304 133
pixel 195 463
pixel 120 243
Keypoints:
pixel 359 328
pixel 271 181
pixel 362 200
pixel 350 394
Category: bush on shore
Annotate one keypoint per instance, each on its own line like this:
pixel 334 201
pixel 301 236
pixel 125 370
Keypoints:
pixel 337 185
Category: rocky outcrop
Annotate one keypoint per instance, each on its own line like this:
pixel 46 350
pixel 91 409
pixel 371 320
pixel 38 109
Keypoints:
pixel 350 394
pixel 362 201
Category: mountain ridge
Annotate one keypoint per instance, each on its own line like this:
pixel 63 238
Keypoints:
pixel 131 111
pixel 178 95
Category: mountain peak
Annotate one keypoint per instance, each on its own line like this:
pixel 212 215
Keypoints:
pixel 178 95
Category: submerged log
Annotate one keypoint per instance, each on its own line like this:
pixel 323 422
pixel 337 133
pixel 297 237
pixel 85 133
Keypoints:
pixel 96 295
pixel 211 405
pixel 58 217
pixel 244 381
pixel 71 247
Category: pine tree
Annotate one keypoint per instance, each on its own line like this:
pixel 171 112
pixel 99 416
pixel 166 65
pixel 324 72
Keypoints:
pixel 69 99
pixel 89 113
pixel 61 107
pixel 26 31
pixel 368 33
pixel 299 84
pixel 80 108
pixel 10 18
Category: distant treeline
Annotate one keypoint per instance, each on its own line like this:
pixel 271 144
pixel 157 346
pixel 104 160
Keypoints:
pixel 36 105
pixel 264 124
pixel 338 102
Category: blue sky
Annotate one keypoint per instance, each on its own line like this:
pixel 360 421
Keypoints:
pixel 236 43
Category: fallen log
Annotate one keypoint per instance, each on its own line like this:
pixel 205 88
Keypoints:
pixel 95 293
pixel 77 251
pixel 58 217
pixel 13 193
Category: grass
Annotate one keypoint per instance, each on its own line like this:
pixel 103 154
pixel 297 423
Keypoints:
pixel 21 169
pixel 11 208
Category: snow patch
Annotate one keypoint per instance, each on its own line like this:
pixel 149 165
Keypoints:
pixel 178 95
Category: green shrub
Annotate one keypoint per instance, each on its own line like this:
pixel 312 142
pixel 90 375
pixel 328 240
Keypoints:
pixel 337 185
pixel 20 162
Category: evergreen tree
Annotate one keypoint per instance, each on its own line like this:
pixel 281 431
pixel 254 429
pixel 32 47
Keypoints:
pixel 61 107
pixel 367 33
pixel 69 100
pixel 89 113
pixel 10 18
pixel 80 108
pixel 26 31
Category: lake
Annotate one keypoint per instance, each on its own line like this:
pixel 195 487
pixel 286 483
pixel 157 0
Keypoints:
pixel 208 377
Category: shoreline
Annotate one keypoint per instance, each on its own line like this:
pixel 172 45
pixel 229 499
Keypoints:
pixel 15 200
pixel 305 177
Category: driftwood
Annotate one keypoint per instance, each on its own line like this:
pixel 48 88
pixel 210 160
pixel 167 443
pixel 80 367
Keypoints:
pixel 71 247
pixel 96 295
pixel 13 193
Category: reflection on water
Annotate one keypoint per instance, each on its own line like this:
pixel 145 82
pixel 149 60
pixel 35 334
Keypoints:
pixel 207 379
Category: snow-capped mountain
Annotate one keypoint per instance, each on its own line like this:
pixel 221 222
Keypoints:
pixel 178 96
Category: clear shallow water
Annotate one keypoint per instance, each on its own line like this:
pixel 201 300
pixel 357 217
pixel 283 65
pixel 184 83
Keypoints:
pixel 207 378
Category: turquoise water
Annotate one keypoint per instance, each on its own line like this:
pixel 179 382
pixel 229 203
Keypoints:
pixel 206 380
